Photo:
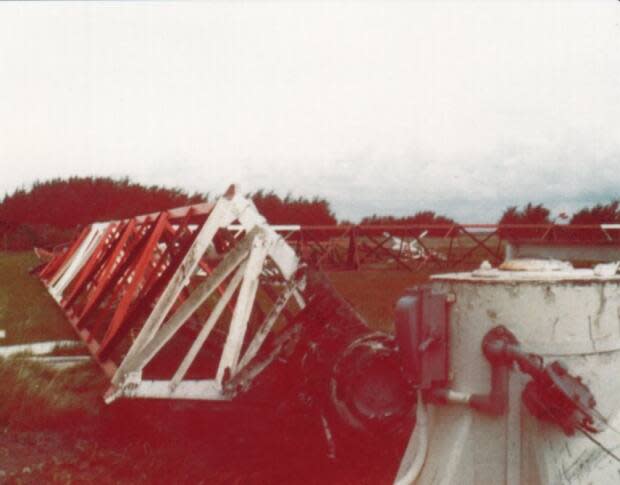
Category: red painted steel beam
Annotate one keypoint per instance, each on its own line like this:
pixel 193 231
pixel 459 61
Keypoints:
pixel 175 235
pixel 140 306
pixel 179 213
pixel 55 264
pixel 116 284
pixel 481 243
pixel 104 279
pixel 108 366
pixel 87 270
pixel 136 278
pixel 389 253
pixel 376 249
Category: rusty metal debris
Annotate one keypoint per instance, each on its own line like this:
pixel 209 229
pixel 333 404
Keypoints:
pixel 333 366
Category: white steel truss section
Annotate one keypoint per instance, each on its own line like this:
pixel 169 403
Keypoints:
pixel 173 304
pixel 228 291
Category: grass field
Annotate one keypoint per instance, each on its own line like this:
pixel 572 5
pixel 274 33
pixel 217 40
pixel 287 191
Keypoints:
pixel 374 293
pixel 27 312
pixel 57 429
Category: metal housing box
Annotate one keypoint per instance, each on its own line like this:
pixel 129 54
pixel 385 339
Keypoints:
pixel 422 335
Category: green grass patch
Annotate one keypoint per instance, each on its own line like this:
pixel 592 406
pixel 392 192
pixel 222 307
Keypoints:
pixel 27 312
pixel 374 293
pixel 37 395
pixel 41 396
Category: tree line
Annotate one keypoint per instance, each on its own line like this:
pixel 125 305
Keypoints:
pixel 67 203
pixel 601 213
pixel 50 211
pixel 426 218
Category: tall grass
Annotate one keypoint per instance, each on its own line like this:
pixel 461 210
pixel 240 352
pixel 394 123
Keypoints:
pixel 33 394
pixel 39 396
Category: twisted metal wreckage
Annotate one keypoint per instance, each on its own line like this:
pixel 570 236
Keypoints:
pixel 210 302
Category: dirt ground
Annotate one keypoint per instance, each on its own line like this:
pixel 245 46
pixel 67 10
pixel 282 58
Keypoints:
pixel 56 429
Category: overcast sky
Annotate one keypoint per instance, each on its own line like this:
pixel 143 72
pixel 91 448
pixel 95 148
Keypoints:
pixel 382 107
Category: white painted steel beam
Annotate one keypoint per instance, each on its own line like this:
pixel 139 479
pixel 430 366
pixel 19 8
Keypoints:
pixel 208 326
pixel 75 263
pixel 275 227
pixel 246 261
pixel 261 241
pixel 221 215
pixel 139 359
pixel 243 308
pixel 208 389
pixel 267 325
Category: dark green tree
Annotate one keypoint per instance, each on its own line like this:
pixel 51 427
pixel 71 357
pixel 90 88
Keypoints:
pixel 596 215
pixel 529 214
pixel 293 210
pixel 422 218
pixel 66 203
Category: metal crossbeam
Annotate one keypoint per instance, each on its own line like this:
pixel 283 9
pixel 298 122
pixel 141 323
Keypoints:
pixel 441 246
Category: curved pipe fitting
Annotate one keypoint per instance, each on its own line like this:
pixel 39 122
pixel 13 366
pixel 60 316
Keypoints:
pixel 496 402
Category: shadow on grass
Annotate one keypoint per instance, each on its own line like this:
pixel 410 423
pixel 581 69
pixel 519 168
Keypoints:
pixel 75 438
